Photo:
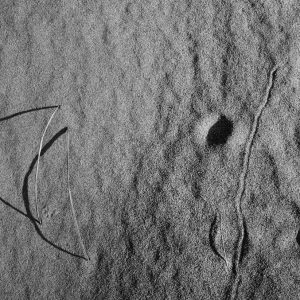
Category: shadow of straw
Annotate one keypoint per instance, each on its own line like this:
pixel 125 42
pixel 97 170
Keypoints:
pixel 27 111
pixel 26 196
pixel 14 208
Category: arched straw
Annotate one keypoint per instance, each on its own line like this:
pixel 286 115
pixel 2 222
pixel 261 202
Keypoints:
pixel 37 167
pixel 71 199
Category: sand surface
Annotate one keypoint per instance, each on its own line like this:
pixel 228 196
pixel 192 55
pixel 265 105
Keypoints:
pixel 160 214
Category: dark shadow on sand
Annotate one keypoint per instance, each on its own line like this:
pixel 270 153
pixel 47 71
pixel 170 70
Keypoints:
pixel 27 111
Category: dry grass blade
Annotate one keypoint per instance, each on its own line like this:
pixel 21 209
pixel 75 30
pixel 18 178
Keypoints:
pixel 37 166
pixel 71 199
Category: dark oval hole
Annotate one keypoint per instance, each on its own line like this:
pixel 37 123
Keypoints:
pixel 219 133
pixel 298 238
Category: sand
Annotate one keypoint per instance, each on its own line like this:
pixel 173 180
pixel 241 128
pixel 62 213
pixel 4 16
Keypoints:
pixel 134 203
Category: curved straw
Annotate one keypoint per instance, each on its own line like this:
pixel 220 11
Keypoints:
pixel 71 200
pixel 37 167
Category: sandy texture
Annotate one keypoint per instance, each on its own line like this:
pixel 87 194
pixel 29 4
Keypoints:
pixel 161 215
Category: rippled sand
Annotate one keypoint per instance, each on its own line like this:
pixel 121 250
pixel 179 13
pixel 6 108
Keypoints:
pixel 135 203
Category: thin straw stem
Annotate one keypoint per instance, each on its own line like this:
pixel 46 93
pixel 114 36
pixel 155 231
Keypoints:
pixel 37 166
pixel 71 199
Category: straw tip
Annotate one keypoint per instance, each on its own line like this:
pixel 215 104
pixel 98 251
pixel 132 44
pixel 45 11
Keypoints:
pixel 38 221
